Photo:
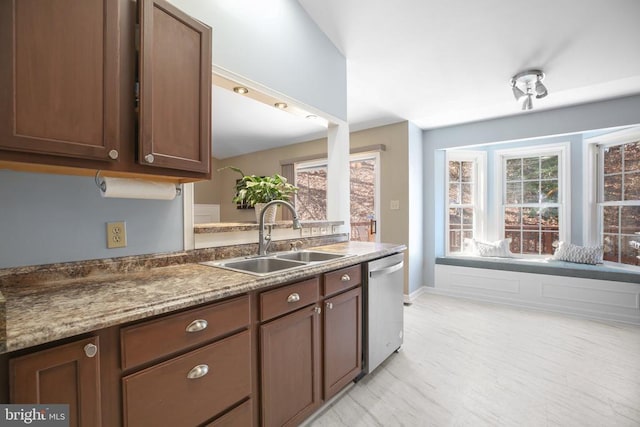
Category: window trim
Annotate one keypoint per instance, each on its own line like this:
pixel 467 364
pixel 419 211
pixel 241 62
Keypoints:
pixel 563 150
pixel 479 193
pixel 593 181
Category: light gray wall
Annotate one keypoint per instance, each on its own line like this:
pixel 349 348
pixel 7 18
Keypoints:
pixel 276 44
pixel 550 125
pixel 55 218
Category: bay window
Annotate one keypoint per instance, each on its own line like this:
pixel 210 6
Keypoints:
pixel 534 194
pixel 465 198
pixel 619 201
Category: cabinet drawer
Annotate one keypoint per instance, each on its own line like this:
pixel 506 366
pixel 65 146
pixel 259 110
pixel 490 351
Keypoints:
pixel 341 280
pixel 163 395
pixel 288 298
pixel 154 339
pixel 242 416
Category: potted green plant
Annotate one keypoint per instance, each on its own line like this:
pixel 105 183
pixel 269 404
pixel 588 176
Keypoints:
pixel 258 190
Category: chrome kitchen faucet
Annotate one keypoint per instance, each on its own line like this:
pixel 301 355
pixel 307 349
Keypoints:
pixel 265 241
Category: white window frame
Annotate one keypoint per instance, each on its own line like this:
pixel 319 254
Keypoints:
pixel 479 159
pixel 594 182
pixel 563 151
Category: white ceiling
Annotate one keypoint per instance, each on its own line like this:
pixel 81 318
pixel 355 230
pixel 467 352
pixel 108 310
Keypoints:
pixel 440 63
pixel 243 125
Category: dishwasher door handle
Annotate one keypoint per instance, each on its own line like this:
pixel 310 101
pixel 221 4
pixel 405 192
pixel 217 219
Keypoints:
pixel 387 270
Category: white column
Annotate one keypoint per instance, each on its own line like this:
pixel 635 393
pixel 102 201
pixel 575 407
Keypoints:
pixel 338 175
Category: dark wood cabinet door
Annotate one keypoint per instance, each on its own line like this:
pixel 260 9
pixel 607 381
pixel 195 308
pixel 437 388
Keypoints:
pixel 59 79
pixel 291 355
pixel 63 374
pixel 175 89
pixel 342 340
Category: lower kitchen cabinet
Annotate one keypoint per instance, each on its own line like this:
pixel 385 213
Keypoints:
pixel 69 373
pixel 309 354
pixel 270 357
pixel 290 368
pixel 342 340
pixel 189 390
pixel 187 368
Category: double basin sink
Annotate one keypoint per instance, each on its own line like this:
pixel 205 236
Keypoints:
pixel 278 262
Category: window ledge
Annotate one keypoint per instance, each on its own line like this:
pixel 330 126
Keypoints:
pixel 544 266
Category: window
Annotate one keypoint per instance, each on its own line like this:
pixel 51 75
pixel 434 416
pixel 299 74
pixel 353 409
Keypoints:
pixel 534 187
pixel 464 198
pixel 311 199
pixel 619 201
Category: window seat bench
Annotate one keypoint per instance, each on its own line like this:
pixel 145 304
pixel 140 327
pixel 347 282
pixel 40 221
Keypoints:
pixel 595 291
pixel 544 266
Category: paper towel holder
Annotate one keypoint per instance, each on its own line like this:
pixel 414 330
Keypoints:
pixel 102 185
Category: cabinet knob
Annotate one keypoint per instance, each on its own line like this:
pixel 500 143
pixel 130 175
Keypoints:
pixel 149 158
pixel 330 305
pixel 345 278
pixel 294 297
pixel 113 154
pixel 197 325
pixel 90 350
pixel 198 372
pixel 318 310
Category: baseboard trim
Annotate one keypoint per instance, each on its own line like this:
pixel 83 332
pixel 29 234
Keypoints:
pixel 410 298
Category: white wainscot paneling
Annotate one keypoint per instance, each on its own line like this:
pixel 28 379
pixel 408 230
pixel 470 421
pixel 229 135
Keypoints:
pixel 601 299
pixel 481 282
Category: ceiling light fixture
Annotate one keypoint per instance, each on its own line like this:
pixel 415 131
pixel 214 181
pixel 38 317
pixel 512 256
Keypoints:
pixel 280 105
pixel 241 90
pixel 526 84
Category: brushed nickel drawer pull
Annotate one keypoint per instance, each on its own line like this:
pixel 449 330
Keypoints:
pixel 318 310
pixel 197 325
pixel 90 350
pixel 149 158
pixel 198 372
pixel 330 305
pixel 113 154
pixel 345 278
pixel 294 297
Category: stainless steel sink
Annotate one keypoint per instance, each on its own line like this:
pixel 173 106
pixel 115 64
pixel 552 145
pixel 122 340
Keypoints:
pixel 260 266
pixel 309 256
pixel 278 262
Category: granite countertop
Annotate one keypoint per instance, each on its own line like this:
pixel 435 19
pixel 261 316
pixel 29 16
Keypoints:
pixel 225 227
pixel 45 310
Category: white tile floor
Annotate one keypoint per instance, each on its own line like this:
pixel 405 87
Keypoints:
pixel 468 363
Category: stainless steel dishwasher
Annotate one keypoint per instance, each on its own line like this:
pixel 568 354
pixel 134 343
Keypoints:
pixel 383 309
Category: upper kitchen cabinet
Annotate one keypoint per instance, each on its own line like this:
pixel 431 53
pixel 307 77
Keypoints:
pixel 175 88
pixel 59 78
pixel 81 88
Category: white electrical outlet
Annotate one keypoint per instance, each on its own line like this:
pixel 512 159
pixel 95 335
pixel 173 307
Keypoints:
pixel 395 205
pixel 116 235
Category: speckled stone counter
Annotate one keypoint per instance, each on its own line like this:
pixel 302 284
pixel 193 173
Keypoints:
pixel 225 227
pixel 46 304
